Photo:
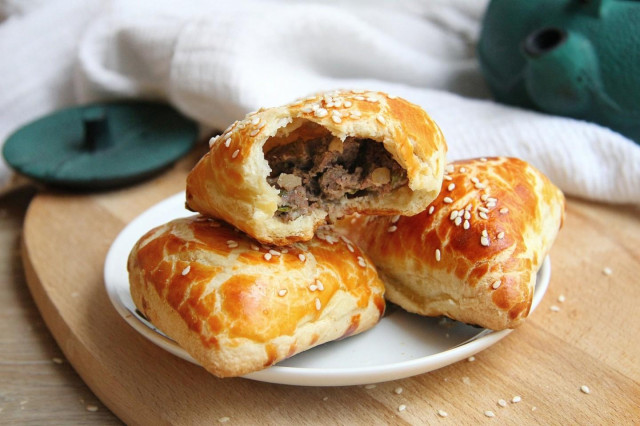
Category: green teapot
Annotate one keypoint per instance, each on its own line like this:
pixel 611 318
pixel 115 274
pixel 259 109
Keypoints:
pixel 576 58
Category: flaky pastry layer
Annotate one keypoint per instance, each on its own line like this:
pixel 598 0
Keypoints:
pixel 237 306
pixel 473 254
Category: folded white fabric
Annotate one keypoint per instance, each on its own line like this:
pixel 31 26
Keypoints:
pixel 217 61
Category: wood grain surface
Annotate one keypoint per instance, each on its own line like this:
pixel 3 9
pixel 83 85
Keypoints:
pixel 584 333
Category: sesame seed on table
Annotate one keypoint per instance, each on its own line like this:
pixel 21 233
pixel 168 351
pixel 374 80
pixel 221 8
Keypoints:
pixel 68 357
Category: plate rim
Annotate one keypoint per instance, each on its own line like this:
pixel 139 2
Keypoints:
pixel 310 376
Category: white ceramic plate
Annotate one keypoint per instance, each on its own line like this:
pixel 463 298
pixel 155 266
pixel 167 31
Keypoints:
pixel 401 345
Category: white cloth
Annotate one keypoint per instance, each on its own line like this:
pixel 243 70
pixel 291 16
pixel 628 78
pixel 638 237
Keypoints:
pixel 216 61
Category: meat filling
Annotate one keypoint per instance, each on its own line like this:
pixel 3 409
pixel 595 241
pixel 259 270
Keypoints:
pixel 321 171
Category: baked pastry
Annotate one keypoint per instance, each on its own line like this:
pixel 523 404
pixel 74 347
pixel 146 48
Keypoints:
pixel 237 306
pixel 282 172
pixel 473 254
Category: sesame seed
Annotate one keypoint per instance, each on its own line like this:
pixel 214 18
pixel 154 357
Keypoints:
pixel 516 399
pixel 483 159
pixel 347 104
pixel 500 235
pixel 480 186
pixel 454 214
pixel 186 270
pixel 57 360
pixel 468 207
pixel 448 200
pixel 555 308
pixel 235 153
pixel 483 215
pixel 458 221
pixel 362 262
pixel 484 197
pixel 504 210
pixel 212 141
pixel 485 233
pixel 451 186
pixel 92 408
pixel 395 218
pixel 392 228
pixel 255 120
pixel 380 119
pixel 282 292
pixel 371 99
pixel 449 168
pixel 306 109
pixel 255 247
pixel 254 132
pixel 447 177
pixel 313 287
pixel 466 380
pixel 402 407
pixel 274 252
pixel 319 285
pixel 232 244
pixel 267 256
pixel 463 169
pixel 284 250
pixel 438 255
pixel 607 271
pixel 336 119
pixel 485 241
pixel 431 209
pixel 398 390
pixel 466 224
pixel 355 114
pixel 489 413
pixel 329 105
pixel 474 179
pixel 359 98
pixel 223 419
pixel 561 298
pixel 350 248
pixel 369 386
pixel 227 142
pixel 502 403
pixel 318 304
pixel 471 358
pixel 483 209
pixel 325 398
pixel 496 284
pixel 321 112
pixel 442 413
pixel 491 204
pixel 302 257
pixel 585 389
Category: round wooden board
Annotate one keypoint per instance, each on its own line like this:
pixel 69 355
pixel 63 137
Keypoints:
pixel 590 340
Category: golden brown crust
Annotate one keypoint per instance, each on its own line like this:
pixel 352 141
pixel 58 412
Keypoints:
pixel 237 306
pixel 473 254
pixel 230 181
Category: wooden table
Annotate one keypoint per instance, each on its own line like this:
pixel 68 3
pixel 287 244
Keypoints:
pixel 584 333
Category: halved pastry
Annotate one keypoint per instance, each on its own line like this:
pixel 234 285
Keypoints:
pixel 282 172
pixel 237 306
pixel 473 254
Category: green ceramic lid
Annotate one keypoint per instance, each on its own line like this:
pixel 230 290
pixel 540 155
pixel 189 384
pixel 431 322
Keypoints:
pixel 100 145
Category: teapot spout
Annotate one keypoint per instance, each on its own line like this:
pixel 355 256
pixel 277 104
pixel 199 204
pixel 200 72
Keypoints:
pixel 561 74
